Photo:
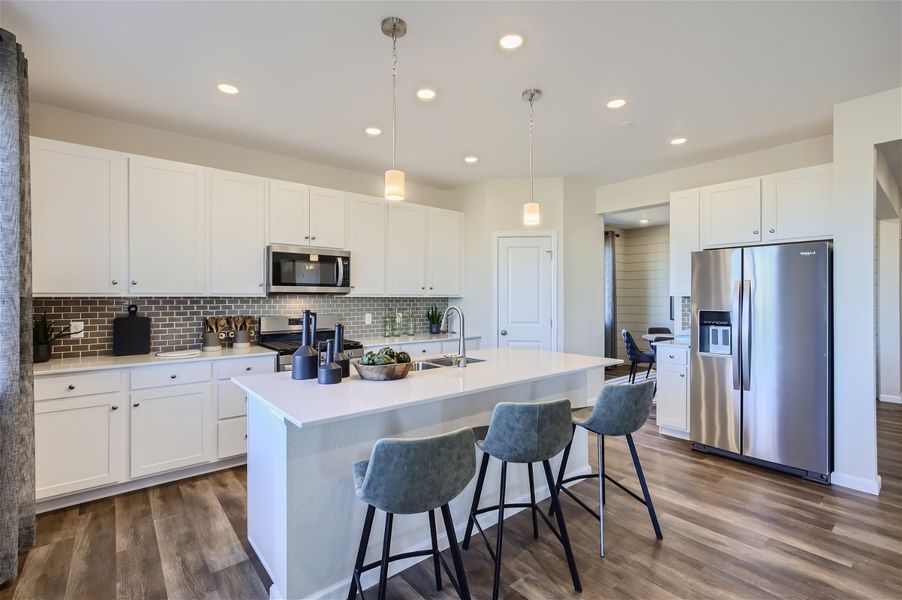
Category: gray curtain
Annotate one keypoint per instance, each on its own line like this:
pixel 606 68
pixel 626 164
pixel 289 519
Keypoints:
pixel 17 518
pixel 611 335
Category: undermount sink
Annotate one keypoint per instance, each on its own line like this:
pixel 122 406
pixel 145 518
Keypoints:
pixel 447 361
pixel 423 366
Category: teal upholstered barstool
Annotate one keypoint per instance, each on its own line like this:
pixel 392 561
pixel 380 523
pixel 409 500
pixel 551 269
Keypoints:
pixel 619 410
pixel 524 433
pixel 412 476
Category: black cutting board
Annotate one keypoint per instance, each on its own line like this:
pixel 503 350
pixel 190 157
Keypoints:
pixel 131 334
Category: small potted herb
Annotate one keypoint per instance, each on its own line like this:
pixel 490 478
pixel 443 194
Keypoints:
pixel 43 335
pixel 434 316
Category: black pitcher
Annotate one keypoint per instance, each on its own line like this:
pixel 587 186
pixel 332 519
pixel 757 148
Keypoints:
pixel 329 371
pixel 343 360
pixel 305 360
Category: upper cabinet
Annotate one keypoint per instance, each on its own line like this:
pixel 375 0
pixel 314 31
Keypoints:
pixel 405 259
pixel 79 198
pixel 798 204
pixel 684 240
pixel 289 213
pixel 167 219
pixel 444 255
pixel 367 218
pixel 328 209
pixel 237 263
pixel 731 213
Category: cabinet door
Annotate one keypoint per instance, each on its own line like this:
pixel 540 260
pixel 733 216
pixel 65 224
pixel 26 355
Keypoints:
pixel 405 261
pixel 237 254
pixel 328 213
pixel 444 255
pixel 731 213
pixel 79 443
pixel 289 213
pixel 672 396
pixel 79 215
pixel 684 240
pixel 171 428
pixel 798 204
pixel 167 227
pixel 366 241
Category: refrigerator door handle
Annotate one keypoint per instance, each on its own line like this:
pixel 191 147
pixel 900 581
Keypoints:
pixel 746 336
pixel 737 295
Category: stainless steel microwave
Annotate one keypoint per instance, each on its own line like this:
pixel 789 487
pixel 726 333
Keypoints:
pixel 305 270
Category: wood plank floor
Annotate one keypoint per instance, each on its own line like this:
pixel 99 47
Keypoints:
pixel 730 531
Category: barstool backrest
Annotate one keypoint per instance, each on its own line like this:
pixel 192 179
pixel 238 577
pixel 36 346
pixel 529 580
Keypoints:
pixel 528 432
pixel 621 409
pixel 416 475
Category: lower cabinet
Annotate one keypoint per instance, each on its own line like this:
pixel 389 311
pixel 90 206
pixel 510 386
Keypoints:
pixel 232 437
pixel 79 443
pixel 672 397
pixel 171 428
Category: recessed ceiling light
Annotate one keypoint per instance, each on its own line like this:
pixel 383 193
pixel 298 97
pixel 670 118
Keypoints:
pixel 471 159
pixel 227 88
pixel 373 131
pixel 615 103
pixel 643 221
pixel 511 41
pixel 678 140
pixel 426 93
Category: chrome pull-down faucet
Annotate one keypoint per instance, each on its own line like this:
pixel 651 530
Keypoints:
pixel 461 357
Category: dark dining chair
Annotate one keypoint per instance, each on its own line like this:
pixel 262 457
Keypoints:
pixel 655 330
pixel 636 356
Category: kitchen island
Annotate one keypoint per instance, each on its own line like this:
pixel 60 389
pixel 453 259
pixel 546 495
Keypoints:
pixel 304 520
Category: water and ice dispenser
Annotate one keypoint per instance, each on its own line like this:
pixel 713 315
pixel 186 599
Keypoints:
pixel 715 328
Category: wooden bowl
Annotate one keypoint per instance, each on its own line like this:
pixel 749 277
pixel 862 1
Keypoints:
pixel 382 372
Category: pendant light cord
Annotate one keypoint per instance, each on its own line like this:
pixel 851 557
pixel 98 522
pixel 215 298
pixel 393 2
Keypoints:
pixel 532 196
pixel 394 96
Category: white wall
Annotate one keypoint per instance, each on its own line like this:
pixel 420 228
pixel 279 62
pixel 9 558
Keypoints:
pixel 857 126
pixel 79 128
pixel 888 311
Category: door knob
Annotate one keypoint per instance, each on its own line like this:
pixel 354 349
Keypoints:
pixel 504 332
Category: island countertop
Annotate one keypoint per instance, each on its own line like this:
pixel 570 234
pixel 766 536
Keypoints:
pixel 306 403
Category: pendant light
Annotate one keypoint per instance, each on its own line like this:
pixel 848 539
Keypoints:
pixel 531 212
pixel 394 28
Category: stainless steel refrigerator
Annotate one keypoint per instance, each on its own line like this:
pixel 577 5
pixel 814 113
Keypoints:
pixel 761 356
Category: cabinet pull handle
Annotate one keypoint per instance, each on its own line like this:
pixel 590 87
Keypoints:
pixel 313 237
pixel 430 287
pixel 670 355
pixel 114 282
pixel 306 237
pixel 248 368
pixel 136 404
pixel 245 436
pixel 71 387
pixel 771 230
pixel 173 376
pixel 423 288
pixel 114 407
pixel 259 285
pixel 682 374
pixel 134 282
pixel 755 232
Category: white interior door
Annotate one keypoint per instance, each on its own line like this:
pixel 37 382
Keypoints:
pixel 525 292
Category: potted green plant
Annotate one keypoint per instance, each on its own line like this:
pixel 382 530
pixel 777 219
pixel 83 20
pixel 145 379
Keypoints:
pixel 43 335
pixel 434 316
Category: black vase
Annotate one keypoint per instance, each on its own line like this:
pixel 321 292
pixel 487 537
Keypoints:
pixel 329 372
pixel 41 353
pixel 305 360
pixel 341 359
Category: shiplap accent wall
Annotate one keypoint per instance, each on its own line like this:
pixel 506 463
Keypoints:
pixel 642 258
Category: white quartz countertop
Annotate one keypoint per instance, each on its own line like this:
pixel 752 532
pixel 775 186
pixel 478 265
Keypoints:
pixel 679 342
pixel 307 403
pixel 414 339
pixel 94 363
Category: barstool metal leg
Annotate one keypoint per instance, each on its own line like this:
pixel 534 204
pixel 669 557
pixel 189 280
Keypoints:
pixel 532 501
pixel 601 467
pixel 361 550
pixel 563 468
pixel 463 588
pixel 435 559
pixel 600 444
pixel 500 526
pixel 641 476
pixel 476 494
pixel 386 553
pixel 562 528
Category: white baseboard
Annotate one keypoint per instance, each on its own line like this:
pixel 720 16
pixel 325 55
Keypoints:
pixel 854 482
pixel 891 398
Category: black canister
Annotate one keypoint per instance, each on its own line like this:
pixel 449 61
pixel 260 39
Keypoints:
pixel 329 371
pixel 305 360
pixel 343 360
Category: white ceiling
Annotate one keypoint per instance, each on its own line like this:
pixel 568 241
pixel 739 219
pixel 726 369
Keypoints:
pixel 656 215
pixel 732 76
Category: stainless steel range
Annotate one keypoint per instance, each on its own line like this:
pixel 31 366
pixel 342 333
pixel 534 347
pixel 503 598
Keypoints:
pixel 283 334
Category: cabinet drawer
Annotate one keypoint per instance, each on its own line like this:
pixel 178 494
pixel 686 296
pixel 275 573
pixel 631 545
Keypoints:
pixel 232 437
pixel 77 384
pixel 232 400
pixel 669 355
pixel 423 349
pixel 226 369
pixel 149 377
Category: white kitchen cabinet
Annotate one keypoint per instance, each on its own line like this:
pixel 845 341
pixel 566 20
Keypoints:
pixel 289 213
pixel 79 443
pixel 167 227
pixel 79 209
pixel 672 397
pixel 798 205
pixel 171 428
pixel 684 239
pixel 731 213
pixel 418 350
pixel 367 217
pixel 237 246
pixel 444 254
pixel 328 213
pixel 232 437
pixel 405 259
